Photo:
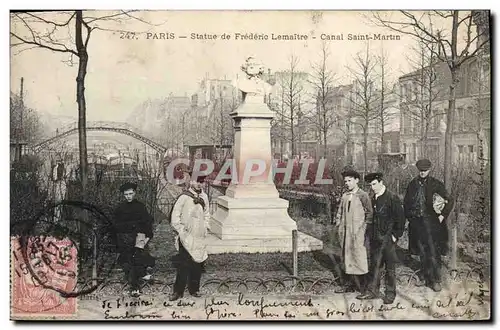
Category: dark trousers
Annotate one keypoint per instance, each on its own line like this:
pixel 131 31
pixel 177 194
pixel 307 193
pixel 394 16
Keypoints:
pixel 383 256
pixel 430 262
pixel 134 261
pixel 188 272
pixel 430 257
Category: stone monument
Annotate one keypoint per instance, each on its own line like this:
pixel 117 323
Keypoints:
pixel 251 217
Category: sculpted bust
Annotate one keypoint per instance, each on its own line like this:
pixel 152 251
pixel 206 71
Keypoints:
pixel 251 82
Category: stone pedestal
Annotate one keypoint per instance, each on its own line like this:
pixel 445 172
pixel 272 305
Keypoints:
pixel 251 217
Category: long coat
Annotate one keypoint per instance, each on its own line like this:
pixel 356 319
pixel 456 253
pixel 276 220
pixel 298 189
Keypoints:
pixel 354 213
pixel 190 221
pixel 427 229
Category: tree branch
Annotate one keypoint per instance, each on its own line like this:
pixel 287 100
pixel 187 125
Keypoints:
pixel 51 22
pixel 65 50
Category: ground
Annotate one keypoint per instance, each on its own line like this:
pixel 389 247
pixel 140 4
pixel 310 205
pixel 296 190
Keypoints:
pixel 270 273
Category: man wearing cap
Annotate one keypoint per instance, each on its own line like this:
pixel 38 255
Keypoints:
pixel 353 215
pixel 134 228
pixel 388 226
pixel 190 217
pixel 427 205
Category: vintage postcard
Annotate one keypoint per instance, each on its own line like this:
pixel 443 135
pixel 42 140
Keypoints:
pixel 250 165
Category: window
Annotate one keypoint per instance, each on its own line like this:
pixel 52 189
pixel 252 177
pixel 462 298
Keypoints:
pixel 435 121
pixel 473 81
pixel 460 119
pixel 414 92
pixel 470 121
pixel 460 154
pixel 485 82
pixel 414 151
pixel 406 124
pixel 412 125
pixel 433 152
pixel 416 128
pixel 388 146
pixel 404 148
pixel 471 156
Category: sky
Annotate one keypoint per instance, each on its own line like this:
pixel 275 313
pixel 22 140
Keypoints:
pixel 123 73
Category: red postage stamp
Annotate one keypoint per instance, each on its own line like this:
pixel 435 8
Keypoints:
pixel 43 272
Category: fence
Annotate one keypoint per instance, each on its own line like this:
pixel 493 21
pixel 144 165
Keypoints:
pixel 406 280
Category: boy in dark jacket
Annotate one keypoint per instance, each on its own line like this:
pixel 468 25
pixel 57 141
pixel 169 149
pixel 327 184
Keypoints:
pixel 134 228
pixel 388 226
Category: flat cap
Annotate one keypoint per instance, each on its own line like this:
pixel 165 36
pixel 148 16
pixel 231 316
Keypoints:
pixel 374 176
pixel 350 173
pixel 127 186
pixel 423 164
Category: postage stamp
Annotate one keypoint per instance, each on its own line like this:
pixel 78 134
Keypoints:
pixel 250 165
pixel 40 275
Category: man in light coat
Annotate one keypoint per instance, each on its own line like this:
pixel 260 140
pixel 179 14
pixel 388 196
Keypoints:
pixel 354 214
pixel 189 219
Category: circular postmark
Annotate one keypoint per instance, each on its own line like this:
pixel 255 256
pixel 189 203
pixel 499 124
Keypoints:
pixel 57 258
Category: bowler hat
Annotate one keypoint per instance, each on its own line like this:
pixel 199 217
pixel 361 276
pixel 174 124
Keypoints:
pixel 423 164
pixel 127 186
pixel 374 176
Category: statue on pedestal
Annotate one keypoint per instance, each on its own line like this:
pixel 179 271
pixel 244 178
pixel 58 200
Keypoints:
pixel 251 84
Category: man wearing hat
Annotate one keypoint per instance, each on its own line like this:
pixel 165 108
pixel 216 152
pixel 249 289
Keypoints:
pixel 353 215
pixel 134 228
pixel 427 205
pixel 189 218
pixel 388 226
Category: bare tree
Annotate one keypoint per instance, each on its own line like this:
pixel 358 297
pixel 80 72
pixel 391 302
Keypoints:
pixel 420 101
pixel 53 32
pixel 222 107
pixel 322 80
pixel 364 112
pixel 447 42
pixel 66 32
pixel 480 112
pixel 290 111
pixel 25 123
pixel 384 95
pixel 277 105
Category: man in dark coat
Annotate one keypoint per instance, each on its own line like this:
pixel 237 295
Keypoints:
pixel 134 228
pixel 427 205
pixel 387 227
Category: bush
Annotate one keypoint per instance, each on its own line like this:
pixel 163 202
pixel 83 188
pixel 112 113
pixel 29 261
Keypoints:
pixel 27 198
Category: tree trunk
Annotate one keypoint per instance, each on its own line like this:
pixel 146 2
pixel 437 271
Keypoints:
pixel 423 125
pixel 292 135
pixel 448 137
pixel 382 140
pixel 448 162
pixel 365 147
pixel 80 99
pixel 425 139
pixel 382 119
pixel 325 151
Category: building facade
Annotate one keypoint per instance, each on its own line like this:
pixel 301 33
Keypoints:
pixel 471 127
pixel 352 119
